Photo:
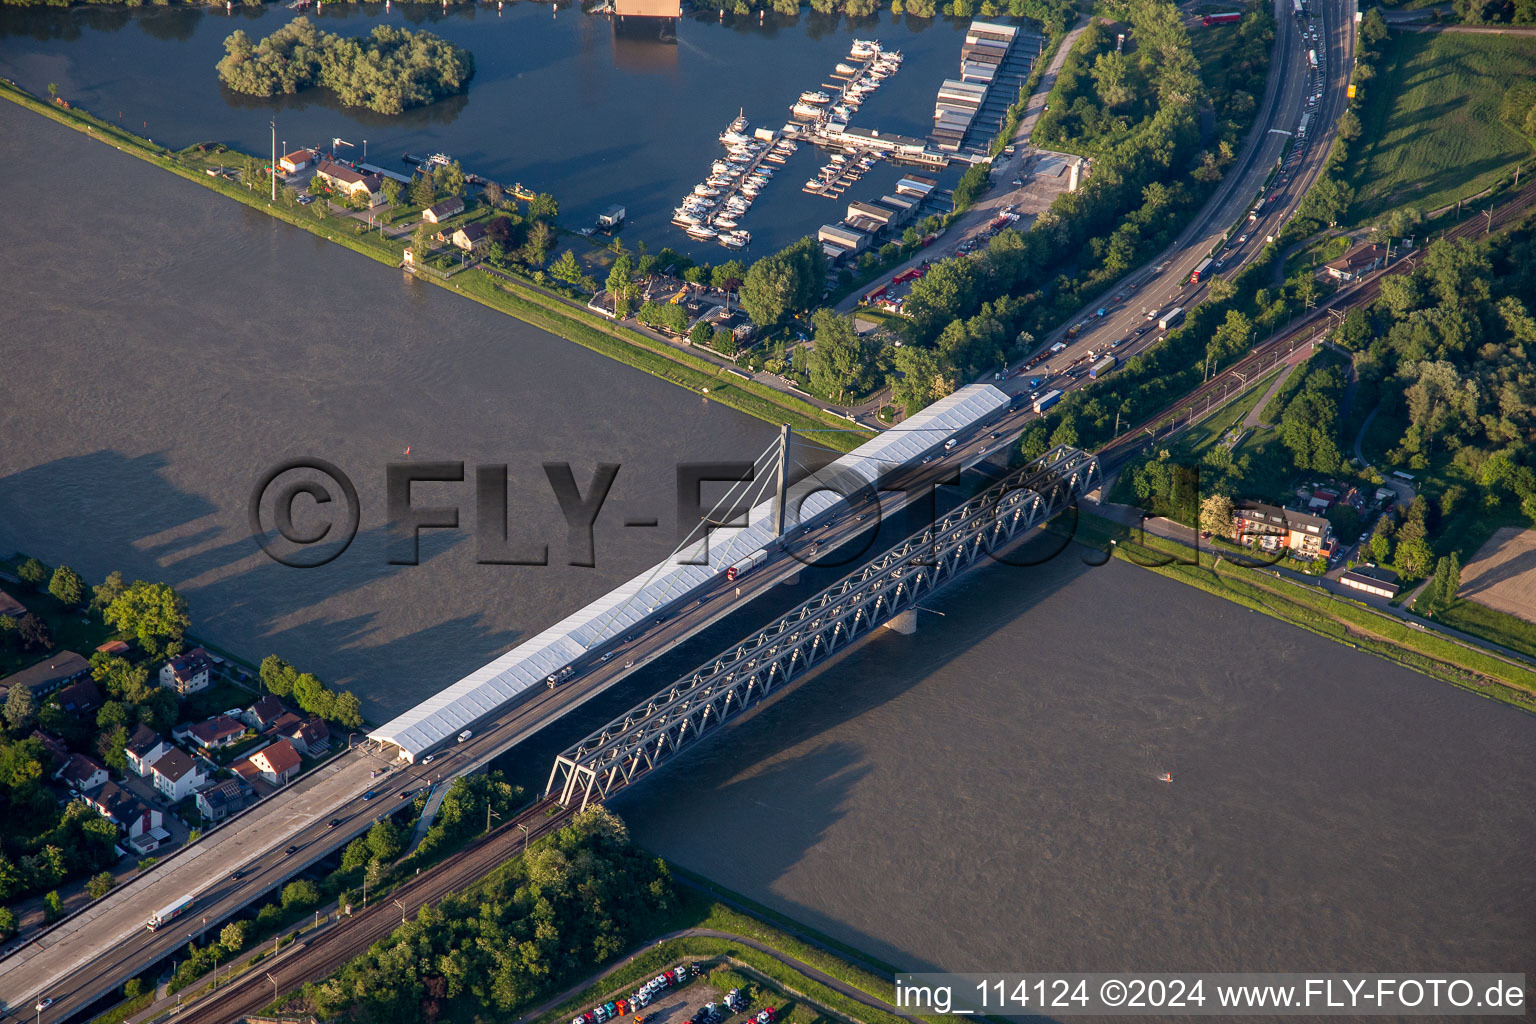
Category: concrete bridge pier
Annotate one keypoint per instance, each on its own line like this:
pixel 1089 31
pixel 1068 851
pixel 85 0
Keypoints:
pixel 904 623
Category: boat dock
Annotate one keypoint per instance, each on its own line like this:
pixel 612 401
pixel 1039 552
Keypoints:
pixel 713 210
pixel 969 111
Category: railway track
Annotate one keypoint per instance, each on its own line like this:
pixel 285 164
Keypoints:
pixel 327 952
pixel 1266 355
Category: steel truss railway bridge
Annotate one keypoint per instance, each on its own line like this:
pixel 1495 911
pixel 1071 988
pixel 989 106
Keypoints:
pixel 885 591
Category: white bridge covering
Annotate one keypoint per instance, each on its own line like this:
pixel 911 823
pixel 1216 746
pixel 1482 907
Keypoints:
pixel 623 609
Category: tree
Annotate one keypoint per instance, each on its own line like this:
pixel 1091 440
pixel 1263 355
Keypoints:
pixel 20 708
pixel 493 195
pixel 109 590
pixel 154 614
pixel 53 906
pixel 1401 293
pixel 1220 289
pixel 449 179
pixel 348 710
pixel 421 240
pixel 100 885
pixel 67 586
pixel 1349 126
pixel 543 207
pixel 536 248
pixel 1413 557
pixel 423 192
pixel 384 840
pixel 34 632
pixel 1109 77
pixel 701 333
pixel 301 894
pixel 1216 513
pixel 621 285
pixel 32 571
pixel 7 922
pixel 1326 200
pixel 233 935
pixel 393 191
pixel 567 269
pixel 276 675
pixel 840 361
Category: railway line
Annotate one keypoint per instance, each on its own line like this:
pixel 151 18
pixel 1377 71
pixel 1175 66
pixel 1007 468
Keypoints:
pixel 1143 434
pixel 327 952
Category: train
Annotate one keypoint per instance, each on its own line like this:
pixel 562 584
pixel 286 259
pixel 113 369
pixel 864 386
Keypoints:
pixel 746 565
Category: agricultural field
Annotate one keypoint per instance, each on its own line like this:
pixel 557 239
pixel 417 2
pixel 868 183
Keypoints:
pixel 1432 126
pixel 1503 575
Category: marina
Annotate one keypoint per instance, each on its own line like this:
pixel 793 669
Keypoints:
pixel 714 209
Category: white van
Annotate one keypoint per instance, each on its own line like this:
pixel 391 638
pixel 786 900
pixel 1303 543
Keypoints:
pixel 466 734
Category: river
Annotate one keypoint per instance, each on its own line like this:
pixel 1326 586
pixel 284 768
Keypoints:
pixel 560 101
pixel 981 796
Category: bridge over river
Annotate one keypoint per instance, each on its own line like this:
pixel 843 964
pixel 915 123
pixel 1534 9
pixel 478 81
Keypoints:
pixel 88 956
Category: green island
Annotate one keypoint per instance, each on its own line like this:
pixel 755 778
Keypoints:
pixel 388 71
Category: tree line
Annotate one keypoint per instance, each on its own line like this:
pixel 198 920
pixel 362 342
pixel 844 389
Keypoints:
pixel 573 903
pixel 389 71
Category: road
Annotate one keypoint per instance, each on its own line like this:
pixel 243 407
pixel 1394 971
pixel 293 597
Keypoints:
pixel 1164 283
pixel 94 953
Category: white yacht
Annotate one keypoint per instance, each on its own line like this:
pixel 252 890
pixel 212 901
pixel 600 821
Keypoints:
pixel 815 96
pixel 702 231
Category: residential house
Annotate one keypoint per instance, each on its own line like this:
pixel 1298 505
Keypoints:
pixel 116 648
pixel 1371 580
pixel 296 161
pixel 52 744
pixel 213 733
pixel 187 673
pixel 11 608
pixel 439 212
pixel 48 676
pixel 145 747
pixel 80 698
pixel 350 183
pixel 311 737
pixel 1305 535
pixel 276 763
pixel 1357 262
pixel 177 775
pixel 220 800
pixel 263 713
pixel 81 773
pixel 141 823
pixel 472 237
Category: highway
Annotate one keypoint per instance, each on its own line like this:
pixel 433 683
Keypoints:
pixel 1164 282
pixel 92 954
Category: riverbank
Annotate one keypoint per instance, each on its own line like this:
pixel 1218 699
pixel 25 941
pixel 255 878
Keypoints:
pixel 1348 621
pixel 515 298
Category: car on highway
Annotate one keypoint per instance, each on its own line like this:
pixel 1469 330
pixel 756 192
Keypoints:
pixel 404 793
pixel 927 459
pixel 1220 263
pixel 428 759
pixel 290 851
pixel 607 656
pixel 1241 239
pixel 237 876
pixel 369 795
pixel 996 434
pixel 1142 330
pixel 1018 181
pixel 43 1004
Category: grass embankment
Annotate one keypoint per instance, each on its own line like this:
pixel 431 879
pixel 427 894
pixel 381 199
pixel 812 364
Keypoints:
pixel 1491 624
pixel 1433 133
pixel 513 297
pixel 1321 612
pixel 700 912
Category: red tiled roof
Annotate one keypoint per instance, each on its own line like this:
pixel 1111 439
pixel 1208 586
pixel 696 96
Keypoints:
pixel 280 757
